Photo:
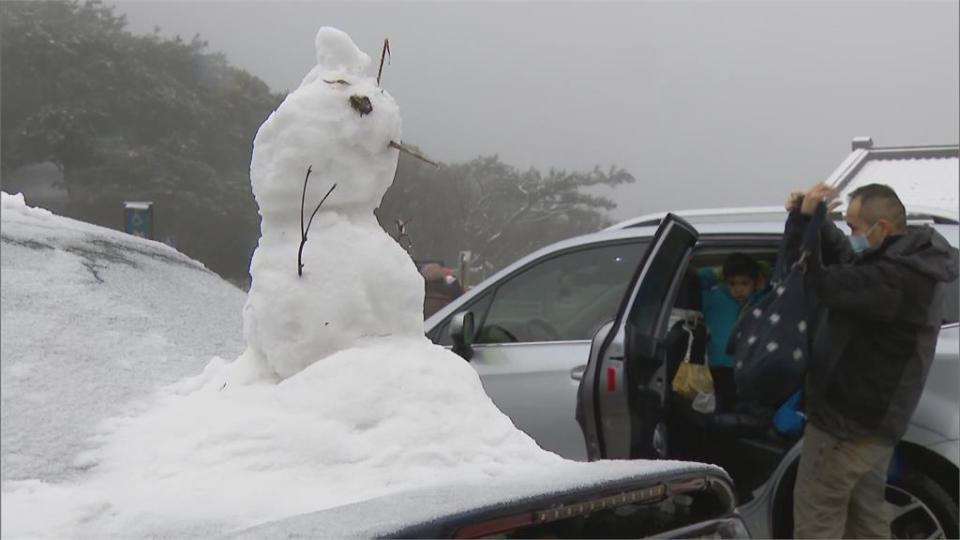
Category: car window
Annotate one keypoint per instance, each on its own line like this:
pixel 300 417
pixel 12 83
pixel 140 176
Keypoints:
pixel 567 297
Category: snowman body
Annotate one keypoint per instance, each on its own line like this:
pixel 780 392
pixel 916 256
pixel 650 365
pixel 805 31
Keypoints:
pixel 357 282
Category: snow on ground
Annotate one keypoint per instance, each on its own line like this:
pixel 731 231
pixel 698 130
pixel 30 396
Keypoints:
pixel 94 320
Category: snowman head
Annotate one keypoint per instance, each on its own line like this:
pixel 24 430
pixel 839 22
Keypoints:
pixel 340 123
pixel 337 52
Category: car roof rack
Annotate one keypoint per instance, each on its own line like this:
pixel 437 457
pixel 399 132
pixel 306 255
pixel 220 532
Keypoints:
pixel 749 213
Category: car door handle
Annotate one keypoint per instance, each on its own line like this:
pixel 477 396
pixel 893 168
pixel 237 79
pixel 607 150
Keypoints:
pixel 577 372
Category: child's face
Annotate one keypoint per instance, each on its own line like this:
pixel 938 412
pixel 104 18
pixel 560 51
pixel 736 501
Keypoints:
pixel 741 287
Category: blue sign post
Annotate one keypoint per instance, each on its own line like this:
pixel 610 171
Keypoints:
pixel 138 219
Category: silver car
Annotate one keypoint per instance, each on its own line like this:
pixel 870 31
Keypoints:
pixel 531 329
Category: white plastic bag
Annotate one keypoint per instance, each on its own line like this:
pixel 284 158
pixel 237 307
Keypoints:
pixel 705 402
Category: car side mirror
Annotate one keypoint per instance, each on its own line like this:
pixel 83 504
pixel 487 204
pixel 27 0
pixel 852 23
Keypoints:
pixel 462 334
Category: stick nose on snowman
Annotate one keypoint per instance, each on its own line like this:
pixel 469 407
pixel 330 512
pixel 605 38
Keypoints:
pixel 412 151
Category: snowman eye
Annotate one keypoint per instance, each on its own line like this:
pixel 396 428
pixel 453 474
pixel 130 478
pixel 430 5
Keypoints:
pixel 361 104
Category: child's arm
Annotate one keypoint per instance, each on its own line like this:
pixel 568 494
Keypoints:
pixel 709 276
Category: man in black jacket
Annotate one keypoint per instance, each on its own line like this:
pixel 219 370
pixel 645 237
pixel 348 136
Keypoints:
pixel 880 292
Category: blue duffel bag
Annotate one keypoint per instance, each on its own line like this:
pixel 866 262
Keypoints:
pixel 770 342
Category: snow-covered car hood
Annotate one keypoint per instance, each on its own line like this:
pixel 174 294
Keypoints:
pixel 93 321
pixel 440 510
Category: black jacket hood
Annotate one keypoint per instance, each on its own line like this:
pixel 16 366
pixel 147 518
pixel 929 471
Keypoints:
pixel 926 251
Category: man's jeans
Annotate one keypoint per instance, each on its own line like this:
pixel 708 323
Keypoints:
pixel 840 488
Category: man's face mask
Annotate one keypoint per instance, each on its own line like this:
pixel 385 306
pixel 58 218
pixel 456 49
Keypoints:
pixel 859 242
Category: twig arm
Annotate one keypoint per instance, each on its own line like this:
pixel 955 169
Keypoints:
pixel 303 232
pixel 317 209
pixel 383 56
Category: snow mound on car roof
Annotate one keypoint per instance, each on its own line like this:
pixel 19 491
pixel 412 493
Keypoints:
pixel 93 320
pixel 231 447
pixel 214 455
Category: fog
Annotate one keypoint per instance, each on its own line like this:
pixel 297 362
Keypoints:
pixel 706 104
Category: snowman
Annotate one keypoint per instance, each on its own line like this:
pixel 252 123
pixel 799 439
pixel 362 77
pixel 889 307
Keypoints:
pixel 334 140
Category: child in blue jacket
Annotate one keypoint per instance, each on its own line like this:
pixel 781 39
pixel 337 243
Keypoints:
pixel 725 295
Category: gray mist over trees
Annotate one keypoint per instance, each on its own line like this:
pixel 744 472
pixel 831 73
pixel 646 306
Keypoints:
pixel 125 117
pixel 115 117
pixel 708 103
pixel 491 209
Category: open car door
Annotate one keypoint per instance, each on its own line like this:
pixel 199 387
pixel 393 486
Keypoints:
pixel 622 396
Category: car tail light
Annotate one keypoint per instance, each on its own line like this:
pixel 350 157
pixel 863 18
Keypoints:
pixel 565 511
pixel 494 526
pixel 680 487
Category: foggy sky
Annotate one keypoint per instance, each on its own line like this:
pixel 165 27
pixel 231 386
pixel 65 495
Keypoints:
pixel 706 104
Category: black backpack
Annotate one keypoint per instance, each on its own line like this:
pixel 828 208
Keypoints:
pixel 770 342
